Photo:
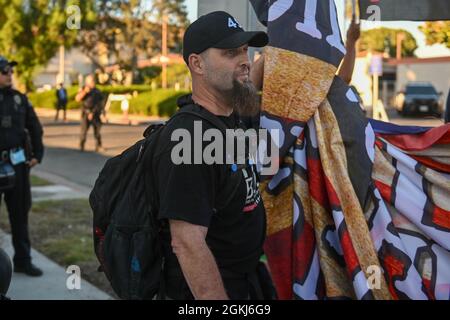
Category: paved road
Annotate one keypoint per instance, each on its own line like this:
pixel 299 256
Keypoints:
pixel 62 157
pixel 419 120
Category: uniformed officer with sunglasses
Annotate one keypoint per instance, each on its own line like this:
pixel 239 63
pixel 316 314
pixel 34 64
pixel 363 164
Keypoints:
pixel 21 148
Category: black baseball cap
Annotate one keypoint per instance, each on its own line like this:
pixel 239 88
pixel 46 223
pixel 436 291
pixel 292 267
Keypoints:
pixel 4 62
pixel 219 30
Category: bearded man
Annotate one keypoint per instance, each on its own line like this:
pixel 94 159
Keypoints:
pixel 216 218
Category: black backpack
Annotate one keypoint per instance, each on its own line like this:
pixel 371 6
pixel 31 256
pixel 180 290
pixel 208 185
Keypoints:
pixel 126 229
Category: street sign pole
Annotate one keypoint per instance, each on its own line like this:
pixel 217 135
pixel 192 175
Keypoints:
pixel 375 96
pixel 376 70
pixel 164 51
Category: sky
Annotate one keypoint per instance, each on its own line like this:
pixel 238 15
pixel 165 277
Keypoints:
pixel 423 51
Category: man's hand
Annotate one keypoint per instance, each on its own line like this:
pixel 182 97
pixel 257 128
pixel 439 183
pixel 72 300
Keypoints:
pixel 348 63
pixel 196 261
pixel 33 162
pixel 90 116
pixel 353 33
pixel 257 72
pixel 82 92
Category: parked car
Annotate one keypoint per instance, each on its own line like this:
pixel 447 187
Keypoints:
pixel 419 97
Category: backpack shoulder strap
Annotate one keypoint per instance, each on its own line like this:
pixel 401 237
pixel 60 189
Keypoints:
pixel 206 115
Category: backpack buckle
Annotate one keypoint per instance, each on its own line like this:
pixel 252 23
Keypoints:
pixel 141 151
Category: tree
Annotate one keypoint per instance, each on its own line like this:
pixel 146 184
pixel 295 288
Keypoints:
pixel 178 22
pixel 437 32
pixel 126 30
pixel 385 40
pixel 32 31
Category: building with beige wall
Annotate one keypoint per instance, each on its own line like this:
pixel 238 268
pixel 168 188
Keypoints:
pixel 434 70
pixel 397 73
pixel 75 63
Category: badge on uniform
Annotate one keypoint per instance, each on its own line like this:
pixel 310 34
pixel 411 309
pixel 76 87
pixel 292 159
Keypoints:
pixel 17 156
pixel 17 102
pixel 17 99
pixel 6 122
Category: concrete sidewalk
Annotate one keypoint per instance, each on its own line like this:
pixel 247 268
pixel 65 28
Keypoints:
pixel 112 118
pixel 52 285
pixel 60 189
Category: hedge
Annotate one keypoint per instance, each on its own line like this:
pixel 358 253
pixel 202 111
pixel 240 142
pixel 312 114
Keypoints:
pixel 160 102
pixel 47 99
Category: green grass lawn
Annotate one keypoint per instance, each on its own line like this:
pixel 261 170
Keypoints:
pixel 39 182
pixel 64 229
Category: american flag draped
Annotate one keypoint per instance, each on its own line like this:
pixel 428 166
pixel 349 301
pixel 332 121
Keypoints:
pixel 358 209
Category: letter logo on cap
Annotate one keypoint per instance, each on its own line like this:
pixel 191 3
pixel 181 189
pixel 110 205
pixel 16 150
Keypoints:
pixel 233 23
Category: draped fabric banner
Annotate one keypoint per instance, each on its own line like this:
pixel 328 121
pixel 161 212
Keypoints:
pixel 415 10
pixel 358 209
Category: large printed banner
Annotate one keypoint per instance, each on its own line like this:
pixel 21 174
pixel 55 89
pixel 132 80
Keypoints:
pixel 358 209
pixel 415 10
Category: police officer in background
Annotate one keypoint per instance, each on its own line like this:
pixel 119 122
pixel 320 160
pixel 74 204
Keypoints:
pixel 92 110
pixel 20 147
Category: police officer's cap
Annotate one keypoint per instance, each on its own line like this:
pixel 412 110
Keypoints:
pixel 4 62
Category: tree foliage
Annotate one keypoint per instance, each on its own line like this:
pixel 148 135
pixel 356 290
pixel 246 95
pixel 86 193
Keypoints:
pixel 437 32
pixel 126 30
pixel 32 31
pixel 385 40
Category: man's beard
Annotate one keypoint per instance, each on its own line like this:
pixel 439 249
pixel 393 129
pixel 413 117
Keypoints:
pixel 244 98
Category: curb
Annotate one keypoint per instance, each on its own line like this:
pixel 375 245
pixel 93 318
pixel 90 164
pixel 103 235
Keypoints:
pixel 111 118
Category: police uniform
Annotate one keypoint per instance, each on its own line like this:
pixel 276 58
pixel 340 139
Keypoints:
pixel 20 140
pixel 92 105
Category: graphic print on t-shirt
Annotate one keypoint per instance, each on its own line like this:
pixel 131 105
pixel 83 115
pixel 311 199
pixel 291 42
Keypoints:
pixel 253 197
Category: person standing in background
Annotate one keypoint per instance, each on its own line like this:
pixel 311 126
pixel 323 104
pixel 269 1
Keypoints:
pixel 92 110
pixel 61 98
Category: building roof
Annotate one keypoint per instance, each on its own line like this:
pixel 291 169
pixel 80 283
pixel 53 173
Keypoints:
pixel 414 60
pixel 406 60
pixel 174 58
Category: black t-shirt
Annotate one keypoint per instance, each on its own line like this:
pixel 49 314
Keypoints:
pixel 93 102
pixel 197 193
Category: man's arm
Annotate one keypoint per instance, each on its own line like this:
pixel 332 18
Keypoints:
pixel 81 94
pixel 35 130
pixel 196 261
pixel 348 64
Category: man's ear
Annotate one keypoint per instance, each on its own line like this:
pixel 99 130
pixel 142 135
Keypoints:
pixel 196 63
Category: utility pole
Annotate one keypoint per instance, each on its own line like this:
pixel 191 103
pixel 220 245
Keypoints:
pixel 400 38
pixel 61 64
pixel 164 57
